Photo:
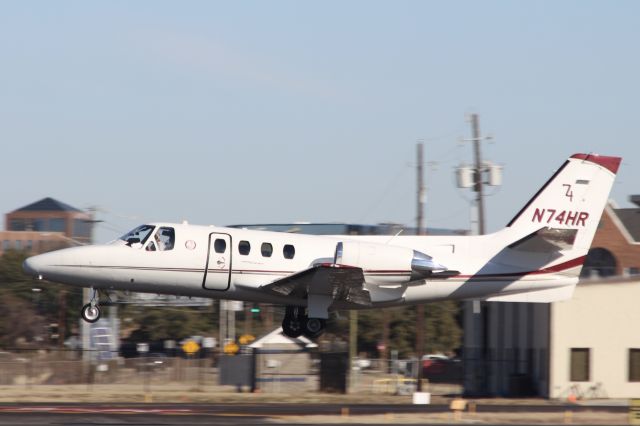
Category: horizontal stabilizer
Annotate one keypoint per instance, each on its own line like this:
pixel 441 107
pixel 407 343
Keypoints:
pixel 540 296
pixel 546 240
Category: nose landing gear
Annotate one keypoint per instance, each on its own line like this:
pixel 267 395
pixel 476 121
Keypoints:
pixel 91 312
pixel 296 323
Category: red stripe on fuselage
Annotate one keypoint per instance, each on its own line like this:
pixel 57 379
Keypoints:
pixel 549 270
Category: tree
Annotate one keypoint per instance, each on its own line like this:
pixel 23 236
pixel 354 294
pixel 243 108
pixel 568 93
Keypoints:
pixel 443 332
pixel 168 323
pixel 29 306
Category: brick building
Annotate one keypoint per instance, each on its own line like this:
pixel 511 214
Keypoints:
pixel 45 225
pixel 616 246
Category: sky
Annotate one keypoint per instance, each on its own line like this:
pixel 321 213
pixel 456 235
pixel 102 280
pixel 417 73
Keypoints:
pixel 273 112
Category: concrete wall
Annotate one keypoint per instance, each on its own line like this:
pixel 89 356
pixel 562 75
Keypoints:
pixel 604 317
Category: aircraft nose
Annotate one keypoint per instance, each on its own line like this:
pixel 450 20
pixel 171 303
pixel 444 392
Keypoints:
pixel 40 265
pixel 31 266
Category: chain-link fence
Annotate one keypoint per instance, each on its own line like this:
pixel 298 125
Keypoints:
pixel 276 372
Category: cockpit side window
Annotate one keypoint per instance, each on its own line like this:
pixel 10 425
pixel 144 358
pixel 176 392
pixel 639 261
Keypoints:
pixel 165 238
pixel 138 236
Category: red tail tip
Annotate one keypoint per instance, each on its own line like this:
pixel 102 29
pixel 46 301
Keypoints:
pixel 610 163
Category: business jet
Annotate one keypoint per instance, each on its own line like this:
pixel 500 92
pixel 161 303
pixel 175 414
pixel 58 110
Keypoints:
pixel 537 257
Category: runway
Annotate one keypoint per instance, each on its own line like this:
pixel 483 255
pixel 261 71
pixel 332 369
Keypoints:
pixel 261 414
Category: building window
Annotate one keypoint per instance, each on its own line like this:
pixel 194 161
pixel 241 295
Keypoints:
pixel 17 225
pixel 288 251
pixel 18 244
pixel 580 358
pixel 81 228
pixel 29 245
pixel 244 247
pixel 56 225
pixel 266 249
pixel 6 245
pixel 634 365
pixel 39 224
pixel 600 262
pixel 220 245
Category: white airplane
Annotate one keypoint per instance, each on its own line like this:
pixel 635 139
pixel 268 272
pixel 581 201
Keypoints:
pixel 537 257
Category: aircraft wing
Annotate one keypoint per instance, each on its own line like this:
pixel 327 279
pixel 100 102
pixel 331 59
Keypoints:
pixel 340 283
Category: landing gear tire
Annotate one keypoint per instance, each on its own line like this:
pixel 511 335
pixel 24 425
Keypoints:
pixel 293 322
pixel 90 313
pixel 296 323
pixel 292 328
pixel 313 327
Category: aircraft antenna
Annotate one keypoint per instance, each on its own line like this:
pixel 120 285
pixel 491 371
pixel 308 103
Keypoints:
pixel 398 233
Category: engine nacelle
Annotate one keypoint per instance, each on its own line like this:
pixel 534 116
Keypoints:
pixel 384 264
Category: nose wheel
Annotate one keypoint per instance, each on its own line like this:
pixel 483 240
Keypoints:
pixel 91 312
pixel 296 323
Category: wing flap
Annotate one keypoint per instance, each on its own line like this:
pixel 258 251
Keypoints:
pixel 340 283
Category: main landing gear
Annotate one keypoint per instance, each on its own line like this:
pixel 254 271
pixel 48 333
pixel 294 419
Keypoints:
pixel 296 323
pixel 91 312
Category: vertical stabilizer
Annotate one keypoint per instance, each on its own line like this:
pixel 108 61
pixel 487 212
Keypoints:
pixel 573 199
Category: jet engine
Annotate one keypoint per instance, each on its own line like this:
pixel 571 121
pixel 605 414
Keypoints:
pixel 384 264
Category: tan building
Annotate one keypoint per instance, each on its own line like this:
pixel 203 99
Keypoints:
pixel 45 225
pixel 594 343
pixel 586 346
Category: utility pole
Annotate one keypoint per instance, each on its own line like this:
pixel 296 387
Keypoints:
pixel 385 337
pixel 248 319
pixel 420 189
pixel 85 327
pixel 223 324
pixel 478 179
pixel 353 347
pixel 420 231
pixel 476 314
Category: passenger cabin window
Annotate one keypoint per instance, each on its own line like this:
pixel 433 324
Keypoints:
pixel 138 237
pixel 244 247
pixel 220 245
pixel 288 251
pixel 266 249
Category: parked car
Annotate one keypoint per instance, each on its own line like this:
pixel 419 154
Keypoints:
pixel 441 369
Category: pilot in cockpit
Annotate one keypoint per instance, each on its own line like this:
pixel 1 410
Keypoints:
pixel 167 237
pixel 162 240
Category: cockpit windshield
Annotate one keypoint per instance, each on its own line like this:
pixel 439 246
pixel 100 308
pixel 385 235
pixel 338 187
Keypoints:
pixel 138 235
